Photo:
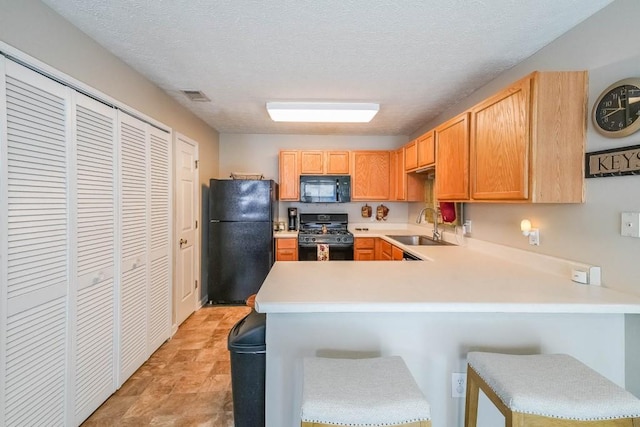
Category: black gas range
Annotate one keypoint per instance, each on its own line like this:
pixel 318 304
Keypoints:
pixel 325 229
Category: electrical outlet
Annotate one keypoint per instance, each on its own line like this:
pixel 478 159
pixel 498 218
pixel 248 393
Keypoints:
pixel 630 224
pixel 458 384
pixel 466 227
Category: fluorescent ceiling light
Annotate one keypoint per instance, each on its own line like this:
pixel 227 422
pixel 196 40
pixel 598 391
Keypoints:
pixel 333 112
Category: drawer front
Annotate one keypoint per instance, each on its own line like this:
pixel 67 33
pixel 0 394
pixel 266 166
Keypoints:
pixel 286 243
pixel 364 243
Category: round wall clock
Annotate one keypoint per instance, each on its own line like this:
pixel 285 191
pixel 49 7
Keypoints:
pixel 616 113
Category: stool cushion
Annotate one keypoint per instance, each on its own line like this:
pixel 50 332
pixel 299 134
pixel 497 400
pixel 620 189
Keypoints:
pixel 361 392
pixel 553 385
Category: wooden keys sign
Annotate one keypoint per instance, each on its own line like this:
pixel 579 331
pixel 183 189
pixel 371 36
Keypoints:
pixel 613 162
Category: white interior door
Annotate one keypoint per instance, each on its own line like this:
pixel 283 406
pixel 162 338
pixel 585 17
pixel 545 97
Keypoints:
pixel 187 214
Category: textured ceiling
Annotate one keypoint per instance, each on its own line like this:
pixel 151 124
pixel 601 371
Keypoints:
pixel 414 57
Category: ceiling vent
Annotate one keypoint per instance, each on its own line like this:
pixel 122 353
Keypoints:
pixel 196 96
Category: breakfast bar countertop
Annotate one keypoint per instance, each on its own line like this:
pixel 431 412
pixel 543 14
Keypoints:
pixel 450 279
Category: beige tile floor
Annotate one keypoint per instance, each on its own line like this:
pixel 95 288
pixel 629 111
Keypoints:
pixel 186 382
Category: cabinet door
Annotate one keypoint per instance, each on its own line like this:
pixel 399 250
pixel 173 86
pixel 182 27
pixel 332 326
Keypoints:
pixel 399 175
pixel 94 349
pixel 289 166
pixel 312 162
pixel 452 167
pixel 426 150
pixel 337 162
pixel 411 156
pixel 286 249
pixel 371 175
pixel 159 282
pixel 34 248
pixel 364 255
pixel 396 253
pixel 385 250
pixel 133 224
pixel 500 145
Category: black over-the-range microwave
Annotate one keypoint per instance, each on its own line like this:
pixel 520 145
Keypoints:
pixel 325 188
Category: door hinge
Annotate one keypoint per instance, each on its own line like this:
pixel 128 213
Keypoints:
pixel 196 285
pixel 197 164
pixel 196 223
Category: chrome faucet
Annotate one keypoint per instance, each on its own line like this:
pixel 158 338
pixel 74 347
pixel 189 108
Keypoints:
pixel 436 211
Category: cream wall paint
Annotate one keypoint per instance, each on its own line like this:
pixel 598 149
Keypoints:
pixel 259 153
pixel 33 28
pixel 605 46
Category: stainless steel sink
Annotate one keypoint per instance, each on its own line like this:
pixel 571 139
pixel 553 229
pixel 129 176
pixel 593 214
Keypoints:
pixel 415 240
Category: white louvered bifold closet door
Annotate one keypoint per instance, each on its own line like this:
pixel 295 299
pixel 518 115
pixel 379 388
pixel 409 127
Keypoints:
pixel 134 224
pixel 160 272
pixel 94 344
pixel 35 277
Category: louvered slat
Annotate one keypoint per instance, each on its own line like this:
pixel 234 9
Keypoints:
pixel 134 232
pixel 95 301
pixel 35 365
pixel 159 192
pixel 159 280
pixel 94 359
pixel 134 188
pixel 159 307
pixel 37 187
pixel 95 137
pixel 133 330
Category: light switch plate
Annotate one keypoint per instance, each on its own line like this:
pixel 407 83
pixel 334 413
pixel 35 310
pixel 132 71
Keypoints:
pixel 630 224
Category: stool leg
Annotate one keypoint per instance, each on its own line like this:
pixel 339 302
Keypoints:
pixel 471 401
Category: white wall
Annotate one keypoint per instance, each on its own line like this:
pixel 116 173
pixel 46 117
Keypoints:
pixel 259 153
pixel 605 45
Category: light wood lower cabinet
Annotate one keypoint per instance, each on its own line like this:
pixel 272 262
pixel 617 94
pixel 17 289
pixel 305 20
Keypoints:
pixel 375 249
pixel 396 253
pixel 364 249
pixel 286 249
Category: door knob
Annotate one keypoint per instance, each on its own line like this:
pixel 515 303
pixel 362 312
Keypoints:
pixel 183 242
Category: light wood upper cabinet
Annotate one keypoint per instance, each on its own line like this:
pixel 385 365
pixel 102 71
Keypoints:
pixel 426 148
pixel 312 162
pixel 405 186
pixel 452 157
pixel 398 175
pixel 337 162
pixel 527 141
pixel 411 156
pixel 370 179
pixel 317 162
pixel 289 186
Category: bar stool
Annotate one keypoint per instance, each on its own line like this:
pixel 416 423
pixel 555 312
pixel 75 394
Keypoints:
pixel 361 392
pixel 551 390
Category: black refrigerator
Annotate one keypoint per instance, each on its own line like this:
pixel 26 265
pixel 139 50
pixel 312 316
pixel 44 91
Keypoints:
pixel 241 245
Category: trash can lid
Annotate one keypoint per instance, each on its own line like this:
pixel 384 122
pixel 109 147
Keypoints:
pixel 248 335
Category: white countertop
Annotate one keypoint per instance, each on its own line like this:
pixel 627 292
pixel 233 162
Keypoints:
pixel 451 279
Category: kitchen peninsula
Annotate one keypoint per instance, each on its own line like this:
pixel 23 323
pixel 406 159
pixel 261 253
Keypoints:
pixel 432 313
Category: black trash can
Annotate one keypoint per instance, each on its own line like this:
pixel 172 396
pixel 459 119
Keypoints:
pixel 247 346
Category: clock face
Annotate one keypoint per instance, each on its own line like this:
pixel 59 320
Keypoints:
pixel 616 113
